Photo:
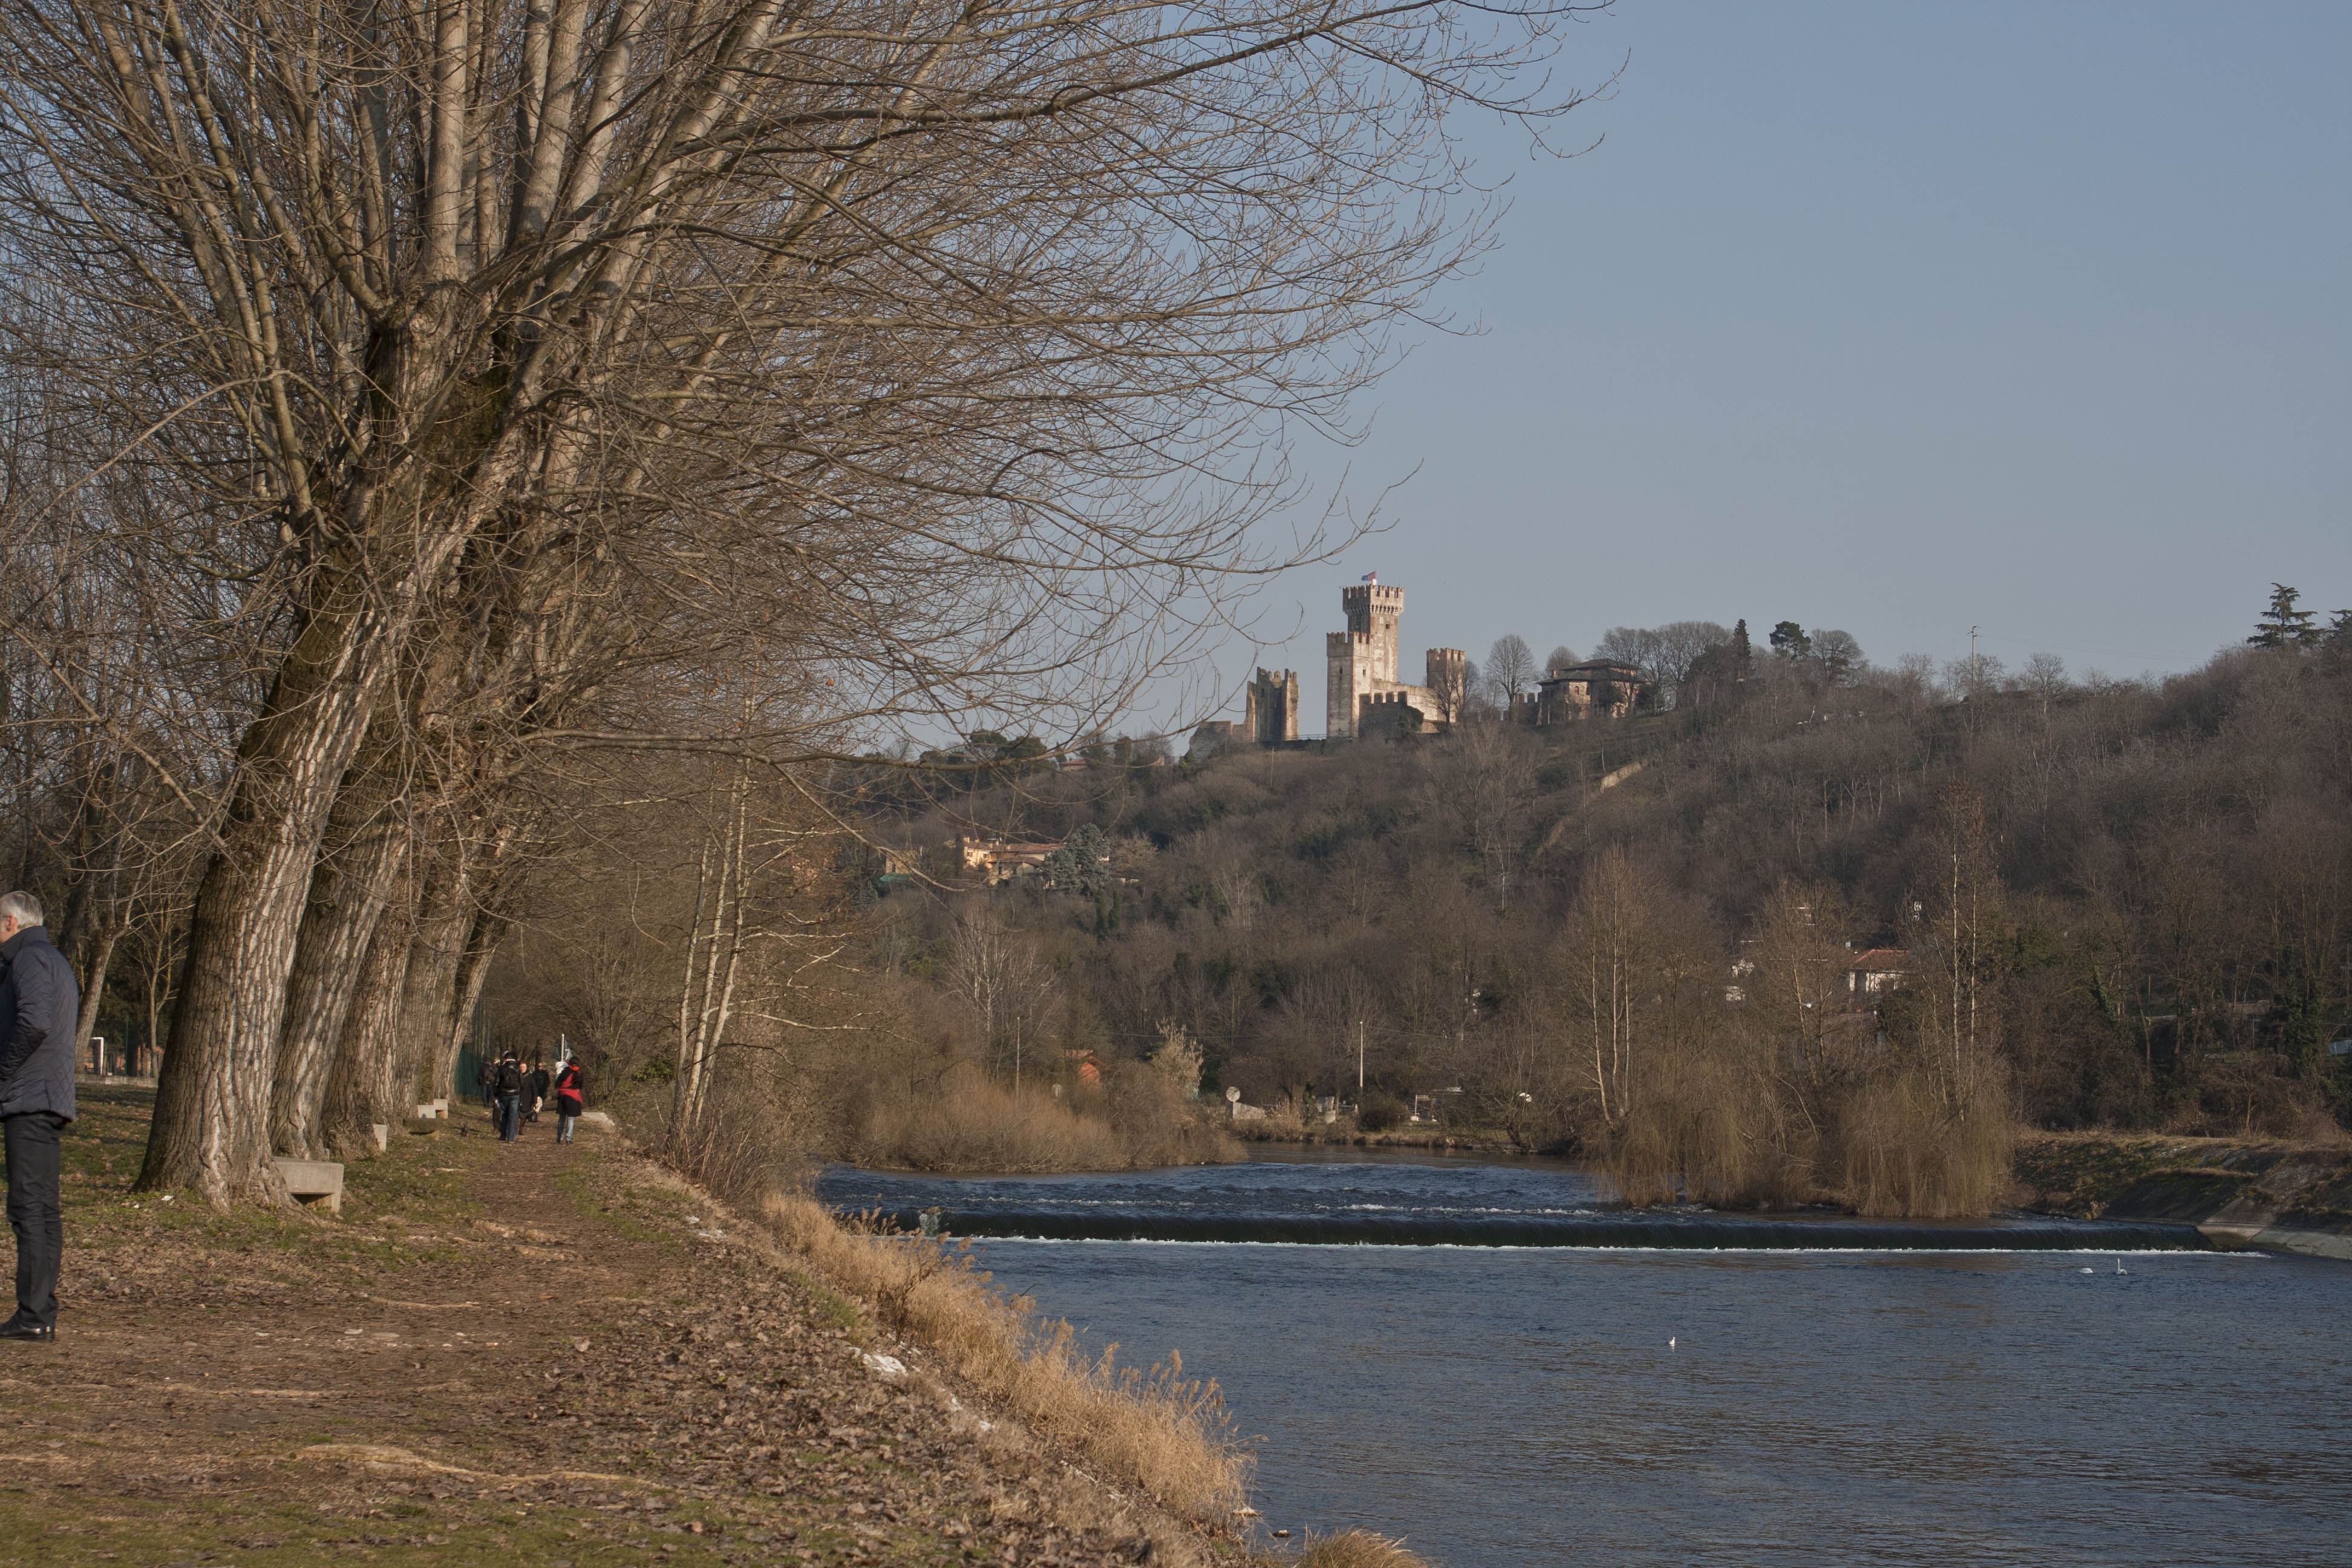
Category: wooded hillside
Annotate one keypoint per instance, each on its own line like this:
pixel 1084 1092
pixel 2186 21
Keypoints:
pixel 2115 903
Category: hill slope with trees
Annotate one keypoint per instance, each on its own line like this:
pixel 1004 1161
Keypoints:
pixel 2113 903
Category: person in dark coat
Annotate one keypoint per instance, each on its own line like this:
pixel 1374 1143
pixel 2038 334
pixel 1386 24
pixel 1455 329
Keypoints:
pixel 40 1015
pixel 571 1093
pixel 508 1084
pixel 535 1089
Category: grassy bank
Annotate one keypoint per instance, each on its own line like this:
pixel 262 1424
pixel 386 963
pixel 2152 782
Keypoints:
pixel 544 1354
pixel 1157 1430
pixel 2086 1174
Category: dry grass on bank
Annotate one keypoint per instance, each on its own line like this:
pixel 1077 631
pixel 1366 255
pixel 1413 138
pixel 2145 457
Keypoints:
pixel 1156 1430
pixel 974 1123
pixel 1357 1549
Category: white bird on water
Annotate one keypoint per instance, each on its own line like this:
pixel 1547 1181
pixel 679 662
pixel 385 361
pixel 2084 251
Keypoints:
pixel 2119 1267
pixel 1670 1342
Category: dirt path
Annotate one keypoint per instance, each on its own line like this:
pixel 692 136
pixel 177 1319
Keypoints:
pixel 519 1354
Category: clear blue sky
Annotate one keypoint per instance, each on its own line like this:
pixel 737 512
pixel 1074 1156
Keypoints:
pixel 1897 318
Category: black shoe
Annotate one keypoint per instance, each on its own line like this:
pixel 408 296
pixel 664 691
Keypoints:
pixel 17 1329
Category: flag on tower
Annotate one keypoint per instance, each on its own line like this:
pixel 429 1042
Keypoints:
pixel 1370 577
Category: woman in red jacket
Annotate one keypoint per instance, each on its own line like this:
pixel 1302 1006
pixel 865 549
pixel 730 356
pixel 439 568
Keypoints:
pixel 569 1095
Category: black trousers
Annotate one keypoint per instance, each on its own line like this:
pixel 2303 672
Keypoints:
pixel 31 1141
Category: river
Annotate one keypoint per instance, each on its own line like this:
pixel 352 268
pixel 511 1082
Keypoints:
pixel 1740 1390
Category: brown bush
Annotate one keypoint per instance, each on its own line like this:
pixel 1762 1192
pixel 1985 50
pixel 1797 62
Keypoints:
pixel 1705 1127
pixel 1357 1549
pixel 970 1122
pixel 2256 1096
pixel 1926 1149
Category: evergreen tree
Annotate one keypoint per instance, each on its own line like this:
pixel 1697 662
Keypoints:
pixel 2284 626
pixel 1079 864
pixel 1743 653
pixel 1789 641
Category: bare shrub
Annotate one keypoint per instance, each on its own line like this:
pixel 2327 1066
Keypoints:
pixel 1156 1123
pixel 1922 1149
pixel 1357 1549
pixel 973 1123
pixel 965 1122
pixel 2261 1097
pixel 1705 1127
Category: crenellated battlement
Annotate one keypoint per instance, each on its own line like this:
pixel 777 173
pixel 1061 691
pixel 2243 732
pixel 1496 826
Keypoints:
pixel 1372 607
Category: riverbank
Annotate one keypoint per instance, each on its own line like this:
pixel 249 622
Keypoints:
pixel 2285 1196
pixel 531 1353
pixel 1343 1135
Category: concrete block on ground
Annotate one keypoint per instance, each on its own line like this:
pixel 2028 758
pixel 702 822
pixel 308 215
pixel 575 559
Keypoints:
pixel 320 1180
pixel 382 1135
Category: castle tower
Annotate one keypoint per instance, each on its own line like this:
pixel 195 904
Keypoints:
pixel 1363 659
pixel 1374 609
pixel 1446 668
pixel 1273 715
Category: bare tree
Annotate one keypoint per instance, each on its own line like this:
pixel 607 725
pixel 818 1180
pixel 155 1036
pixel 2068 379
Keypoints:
pixel 1484 780
pixel 1838 657
pixel 997 971
pixel 1663 655
pixel 910 357
pixel 1510 670
pixel 2045 677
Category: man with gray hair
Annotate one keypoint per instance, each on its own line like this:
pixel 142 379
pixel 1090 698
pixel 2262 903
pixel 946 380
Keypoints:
pixel 40 1015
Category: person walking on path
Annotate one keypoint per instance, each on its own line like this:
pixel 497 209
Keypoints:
pixel 486 1084
pixel 537 1088
pixel 40 1015
pixel 508 1084
pixel 571 1094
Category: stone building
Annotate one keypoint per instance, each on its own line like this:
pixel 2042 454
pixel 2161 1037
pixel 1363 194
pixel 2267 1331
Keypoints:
pixel 1269 718
pixel 1362 694
pixel 1272 716
pixel 1597 689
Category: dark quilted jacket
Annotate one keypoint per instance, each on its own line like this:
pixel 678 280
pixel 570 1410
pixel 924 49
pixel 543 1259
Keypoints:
pixel 41 1009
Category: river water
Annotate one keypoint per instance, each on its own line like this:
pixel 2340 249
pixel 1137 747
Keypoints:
pixel 1863 1394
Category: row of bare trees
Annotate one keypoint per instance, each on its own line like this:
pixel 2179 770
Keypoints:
pixel 470 395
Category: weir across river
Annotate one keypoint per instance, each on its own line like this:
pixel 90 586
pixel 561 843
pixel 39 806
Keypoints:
pixel 1641 1228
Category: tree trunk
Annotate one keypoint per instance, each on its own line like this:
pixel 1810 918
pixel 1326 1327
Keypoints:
pixel 93 982
pixel 368 846
pixel 363 1085
pixel 211 1129
pixel 473 969
pixel 443 924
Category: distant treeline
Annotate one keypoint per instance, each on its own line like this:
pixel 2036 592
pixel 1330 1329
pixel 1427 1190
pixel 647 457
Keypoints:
pixel 2113 902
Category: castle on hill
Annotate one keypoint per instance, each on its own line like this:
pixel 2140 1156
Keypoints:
pixel 1363 697
pixel 1361 693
